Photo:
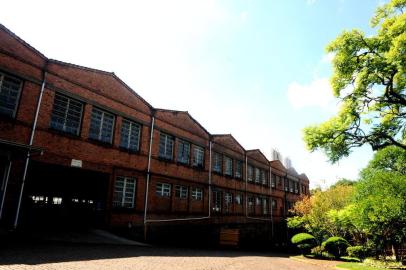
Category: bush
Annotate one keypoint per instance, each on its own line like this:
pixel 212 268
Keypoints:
pixel 359 252
pixel 336 246
pixel 304 241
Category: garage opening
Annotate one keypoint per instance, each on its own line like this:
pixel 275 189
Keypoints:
pixel 59 197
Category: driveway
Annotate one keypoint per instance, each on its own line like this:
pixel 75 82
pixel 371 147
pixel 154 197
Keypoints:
pixel 91 256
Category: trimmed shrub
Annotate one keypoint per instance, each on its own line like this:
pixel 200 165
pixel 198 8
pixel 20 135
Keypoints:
pixel 304 241
pixel 336 246
pixel 359 252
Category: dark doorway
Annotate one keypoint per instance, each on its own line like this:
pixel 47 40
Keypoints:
pixel 59 197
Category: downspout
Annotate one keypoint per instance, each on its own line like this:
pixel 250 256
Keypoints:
pixel 210 146
pixel 246 185
pixel 271 201
pixel 5 181
pixel 27 160
pixel 148 168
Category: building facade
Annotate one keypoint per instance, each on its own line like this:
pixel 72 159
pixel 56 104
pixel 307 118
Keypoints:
pixel 80 147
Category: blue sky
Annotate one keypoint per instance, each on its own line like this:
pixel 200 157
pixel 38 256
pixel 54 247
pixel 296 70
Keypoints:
pixel 256 69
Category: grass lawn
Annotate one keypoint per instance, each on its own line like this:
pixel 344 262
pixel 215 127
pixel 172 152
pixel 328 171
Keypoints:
pixel 358 266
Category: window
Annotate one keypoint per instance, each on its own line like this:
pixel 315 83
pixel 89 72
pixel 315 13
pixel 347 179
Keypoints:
pixel 217 160
pixel 262 176
pixel 197 194
pixel 216 201
pixel 183 152
pixel 238 199
pixel 163 189
pixel 130 135
pixel 101 126
pixel 296 187
pixel 66 114
pixel 250 173
pixel 257 176
pixel 274 204
pixel 238 169
pixel 251 204
pixel 228 170
pixel 10 89
pixel 273 180
pixel 258 201
pixel 198 156
pixel 166 146
pixel 181 192
pixel 286 184
pixel 264 206
pixel 291 186
pixel 124 192
pixel 228 201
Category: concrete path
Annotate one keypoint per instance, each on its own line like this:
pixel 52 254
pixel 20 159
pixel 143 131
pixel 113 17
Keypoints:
pixel 100 257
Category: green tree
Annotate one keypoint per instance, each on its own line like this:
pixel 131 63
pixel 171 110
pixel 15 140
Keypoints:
pixel 380 199
pixel 312 213
pixel 369 77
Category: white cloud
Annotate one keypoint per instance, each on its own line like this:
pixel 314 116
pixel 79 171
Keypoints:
pixel 327 58
pixel 316 94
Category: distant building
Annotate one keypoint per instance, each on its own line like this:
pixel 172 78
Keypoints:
pixel 100 155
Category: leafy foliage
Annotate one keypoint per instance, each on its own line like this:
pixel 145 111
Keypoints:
pixel 370 80
pixel 359 252
pixel 336 246
pixel 304 241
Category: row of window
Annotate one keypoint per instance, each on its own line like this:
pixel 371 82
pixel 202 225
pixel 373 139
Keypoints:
pixel 166 146
pixel 67 116
pixel 181 192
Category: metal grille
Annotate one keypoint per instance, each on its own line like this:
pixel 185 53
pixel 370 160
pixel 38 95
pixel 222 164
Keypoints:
pixel 124 192
pixel 66 114
pixel 10 89
pixel 101 126
pixel 130 135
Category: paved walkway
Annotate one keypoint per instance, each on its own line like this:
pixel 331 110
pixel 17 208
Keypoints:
pixel 91 256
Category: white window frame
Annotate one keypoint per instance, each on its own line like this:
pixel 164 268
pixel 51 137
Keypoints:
pixel 100 128
pixel 228 166
pixel 181 192
pixel 217 162
pixel 168 144
pixel 257 175
pixel 132 126
pixel 198 156
pixel 250 173
pixel 67 110
pixel 125 192
pixel 197 193
pixel 182 152
pixel 2 75
pixel 163 189
pixel 238 169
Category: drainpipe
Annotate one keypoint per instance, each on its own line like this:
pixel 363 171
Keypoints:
pixel 271 201
pixel 148 168
pixel 210 146
pixel 27 160
pixel 246 185
pixel 5 181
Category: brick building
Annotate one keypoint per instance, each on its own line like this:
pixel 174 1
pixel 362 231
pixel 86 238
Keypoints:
pixel 78 147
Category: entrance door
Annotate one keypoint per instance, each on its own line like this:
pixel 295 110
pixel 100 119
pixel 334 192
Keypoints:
pixel 64 197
